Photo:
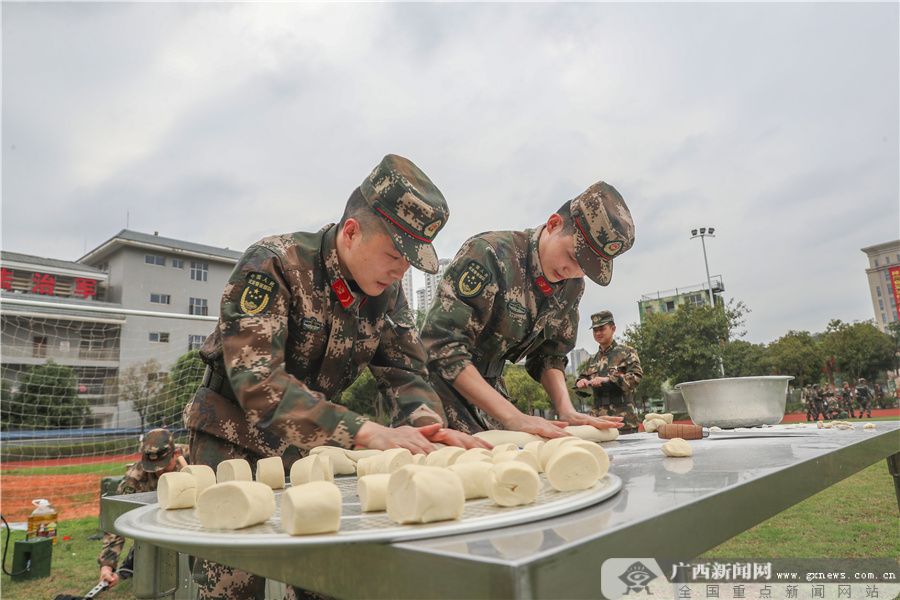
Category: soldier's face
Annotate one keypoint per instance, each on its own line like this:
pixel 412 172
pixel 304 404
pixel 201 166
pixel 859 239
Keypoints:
pixel 374 262
pixel 557 252
pixel 603 335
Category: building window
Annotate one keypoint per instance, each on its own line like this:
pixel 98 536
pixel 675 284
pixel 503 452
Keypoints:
pixel 159 336
pixel 195 341
pixel 177 263
pixel 160 298
pixel 39 346
pixel 878 291
pixel 198 306
pixel 876 261
pixel 881 304
pixel 883 318
pixel 155 259
pixel 199 270
pixel 670 306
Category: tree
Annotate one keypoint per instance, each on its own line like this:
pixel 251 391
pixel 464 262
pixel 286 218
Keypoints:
pixel 859 349
pixel 182 384
pixel 893 330
pixel 797 353
pixel 143 384
pixel 48 398
pixel 526 393
pixel 743 359
pixel 363 397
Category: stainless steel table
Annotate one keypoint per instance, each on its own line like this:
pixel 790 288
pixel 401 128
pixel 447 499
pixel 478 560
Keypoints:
pixel 668 508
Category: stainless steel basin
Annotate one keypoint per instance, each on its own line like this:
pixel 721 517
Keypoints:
pixel 736 401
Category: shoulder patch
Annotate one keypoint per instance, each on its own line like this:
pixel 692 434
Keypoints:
pixel 258 291
pixel 472 280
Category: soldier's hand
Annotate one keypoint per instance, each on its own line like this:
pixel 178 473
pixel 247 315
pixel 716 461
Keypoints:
pixel 598 381
pixel 109 576
pixel 536 425
pixel 582 383
pixel 452 437
pixel 577 418
pixel 378 437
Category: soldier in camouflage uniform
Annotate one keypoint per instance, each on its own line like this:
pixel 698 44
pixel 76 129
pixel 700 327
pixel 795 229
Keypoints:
pixel 863 398
pixel 302 316
pixel 613 373
pixel 510 295
pixel 818 399
pixel 158 455
pixel 847 399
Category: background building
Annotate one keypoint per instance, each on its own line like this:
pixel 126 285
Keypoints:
pixel 577 357
pixel 407 284
pixel 426 295
pixel 884 281
pixel 669 300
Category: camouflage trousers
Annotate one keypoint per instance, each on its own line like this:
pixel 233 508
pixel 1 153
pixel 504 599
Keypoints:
pixel 864 406
pixel 461 415
pixel 217 581
pixel 626 411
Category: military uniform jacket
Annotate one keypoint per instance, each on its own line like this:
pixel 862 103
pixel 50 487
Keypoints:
pixel 622 365
pixel 136 480
pixel 291 336
pixel 494 304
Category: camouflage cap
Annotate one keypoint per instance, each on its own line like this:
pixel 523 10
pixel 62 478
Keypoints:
pixel 157 450
pixel 601 318
pixel 604 230
pixel 404 196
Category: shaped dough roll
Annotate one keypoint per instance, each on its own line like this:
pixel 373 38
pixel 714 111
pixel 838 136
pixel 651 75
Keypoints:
pixel 357 455
pixel 499 436
pixel 592 434
pixel 418 459
pixel 551 446
pixel 514 483
pixel 311 508
pixel 421 494
pixel 535 449
pixel 667 417
pixel 203 475
pixel 384 462
pixel 474 455
pixel 572 468
pixel 475 476
pixel 176 490
pixel 519 455
pixel 315 467
pixel 652 425
pixel 235 469
pixel 498 448
pixel 270 471
pixel 444 457
pixel 340 462
pixel 597 451
pixel 372 491
pixel 235 505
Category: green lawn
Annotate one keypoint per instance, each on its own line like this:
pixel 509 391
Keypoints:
pixel 112 468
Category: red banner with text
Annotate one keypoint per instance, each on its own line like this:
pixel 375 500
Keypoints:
pixel 895 283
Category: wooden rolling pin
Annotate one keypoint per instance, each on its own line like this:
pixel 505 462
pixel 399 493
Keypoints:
pixel 685 432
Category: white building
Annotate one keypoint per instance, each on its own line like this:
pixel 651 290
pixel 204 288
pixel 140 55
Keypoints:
pixel 884 281
pixel 425 296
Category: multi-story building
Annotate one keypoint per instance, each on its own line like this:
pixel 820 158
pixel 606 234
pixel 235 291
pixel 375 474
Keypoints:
pixel 577 357
pixel 669 300
pixel 884 281
pixel 426 295
pixel 50 313
pixel 407 284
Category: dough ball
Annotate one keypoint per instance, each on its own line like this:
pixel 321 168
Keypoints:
pixel 869 426
pixel 422 494
pixel 314 467
pixel 444 457
pixel 340 462
pixel 597 451
pixel 235 469
pixel 653 425
pixel 176 490
pixel 667 417
pixel 820 425
pixel 311 508
pixel 475 477
pixel 677 447
pixel 203 474
pixel 524 457
pixel 715 428
pixel 235 505
pixel 828 425
pixel 270 471
pixel 504 448
pixel 475 455
pixel 552 446
pixel 592 434
pixel 573 468
pixel 514 483
pixel 372 491
pixel 499 436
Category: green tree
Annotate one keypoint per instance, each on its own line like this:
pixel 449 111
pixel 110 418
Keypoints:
pixel 180 387
pixel 859 349
pixel 743 359
pixel 143 384
pixel 797 353
pixel 526 393
pixel 893 330
pixel 48 398
pixel 363 397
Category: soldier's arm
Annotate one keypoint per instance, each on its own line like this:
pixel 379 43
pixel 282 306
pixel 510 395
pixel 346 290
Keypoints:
pixel 399 369
pixel 630 374
pixel 112 543
pixel 254 332
pixel 552 354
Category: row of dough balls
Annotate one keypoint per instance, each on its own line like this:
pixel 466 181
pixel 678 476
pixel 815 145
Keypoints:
pixel 652 421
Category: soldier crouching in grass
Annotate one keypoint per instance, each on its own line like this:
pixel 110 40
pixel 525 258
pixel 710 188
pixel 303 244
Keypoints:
pixel 613 373
pixel 509 295
pixel 302 315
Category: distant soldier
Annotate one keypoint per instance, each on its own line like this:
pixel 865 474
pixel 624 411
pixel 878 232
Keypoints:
pixel 159 455
pixel 613 373
pixel 808 404
pixel 863 398
pixel 818 398
pixel 847 399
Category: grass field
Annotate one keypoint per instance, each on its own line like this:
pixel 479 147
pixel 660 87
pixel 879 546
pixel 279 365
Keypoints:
pixel 103 469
